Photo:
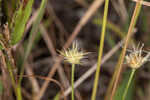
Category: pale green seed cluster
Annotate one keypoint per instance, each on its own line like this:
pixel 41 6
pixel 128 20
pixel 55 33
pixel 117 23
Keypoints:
pixel 73 55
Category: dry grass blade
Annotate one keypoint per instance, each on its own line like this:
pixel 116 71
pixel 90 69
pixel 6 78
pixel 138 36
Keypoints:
pixel 56 19
pixel 47 79
pixel 92 9
pixel 29 71
pixel 48 40
pixel 122 11
pixel 143 2
pixel 5 79
pixel 34 82
pixel 26 94
pixel 82 3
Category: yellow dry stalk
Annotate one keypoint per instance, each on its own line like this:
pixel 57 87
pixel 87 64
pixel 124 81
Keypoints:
pixel 73 55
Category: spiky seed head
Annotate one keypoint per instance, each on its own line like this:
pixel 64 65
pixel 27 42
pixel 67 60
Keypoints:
pixel 135 58
pixel 73 55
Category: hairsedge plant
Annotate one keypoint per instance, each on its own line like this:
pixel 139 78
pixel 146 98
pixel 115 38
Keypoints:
pixel 135 60
pixel 73 56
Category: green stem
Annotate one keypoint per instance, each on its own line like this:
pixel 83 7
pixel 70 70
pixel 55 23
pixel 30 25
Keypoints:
pixel 100 51
pixel 128 84
pixel 15 85
pixel 72 80
pixel 19 95
pixel 11 76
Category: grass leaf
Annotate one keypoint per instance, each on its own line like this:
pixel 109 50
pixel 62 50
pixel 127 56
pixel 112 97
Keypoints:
pixel 32 36
pixel 21 18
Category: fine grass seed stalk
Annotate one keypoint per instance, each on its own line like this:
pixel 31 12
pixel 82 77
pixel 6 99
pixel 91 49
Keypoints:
pixel 134 60
pixel 73 56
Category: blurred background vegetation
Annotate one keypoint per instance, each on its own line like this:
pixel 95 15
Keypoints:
pixel 38 30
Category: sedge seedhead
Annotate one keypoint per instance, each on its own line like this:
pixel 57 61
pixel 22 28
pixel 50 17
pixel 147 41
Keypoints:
pixel 135 58
pixel 73 55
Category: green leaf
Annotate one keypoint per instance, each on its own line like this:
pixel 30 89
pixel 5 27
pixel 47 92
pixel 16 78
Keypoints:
pixel 31 40
pixel 36 23
pixel 21 18
pixel 32 36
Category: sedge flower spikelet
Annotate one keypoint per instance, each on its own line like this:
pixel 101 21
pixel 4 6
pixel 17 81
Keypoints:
pixel 135 59
pixel 73 55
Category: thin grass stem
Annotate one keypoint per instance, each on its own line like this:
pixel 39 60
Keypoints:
pixel 100 51
pixel 12 76
pixel 128 84
pixel 19 96
pixel 72 80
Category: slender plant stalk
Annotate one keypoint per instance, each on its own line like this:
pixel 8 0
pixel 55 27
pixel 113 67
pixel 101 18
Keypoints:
pixel 119 64
pixel 11 75
pixel 8 61
pixel 72 80
pixel 19 96
pixel 100 51
pixel 128 84
pixel 15 85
